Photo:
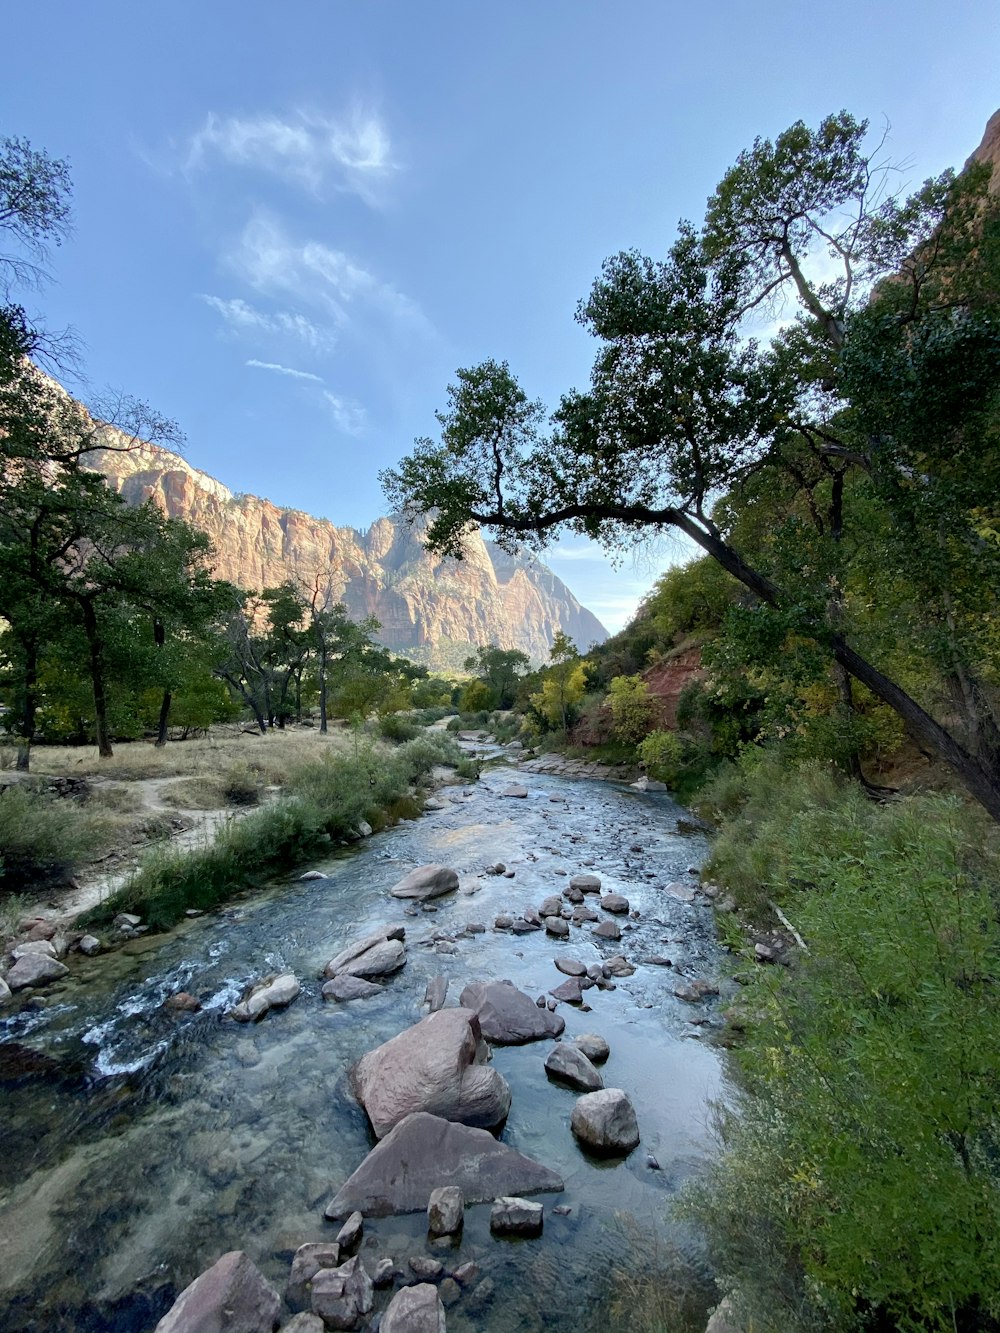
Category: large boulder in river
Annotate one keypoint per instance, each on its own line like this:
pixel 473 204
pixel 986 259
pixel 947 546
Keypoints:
pixel 275 993
pixel 424 1153
pixel 414 1310
pixel 568 1063
pixel 232 1296
pixel 341 1296
pixel 605 1122
pixel 426 882
pixel 507 1016
pixel 376 955
pixel 438 1065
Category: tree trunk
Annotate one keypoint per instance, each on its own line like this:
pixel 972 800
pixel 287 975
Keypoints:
pixel 322 691
pixel 96 647
pixel 29 711
pixel 161 726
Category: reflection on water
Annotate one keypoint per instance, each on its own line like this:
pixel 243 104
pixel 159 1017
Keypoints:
pixel 146 1143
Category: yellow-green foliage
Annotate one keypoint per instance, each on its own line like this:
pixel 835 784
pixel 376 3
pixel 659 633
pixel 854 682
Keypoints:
pixel 662 752
pixel 631 708
pixel 562 689
pixel 865 1157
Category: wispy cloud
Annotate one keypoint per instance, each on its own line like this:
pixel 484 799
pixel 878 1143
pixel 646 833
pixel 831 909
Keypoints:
pixel 349 416
pixel 285 370
pixel 240 316
pixel 351 152
pixel 574 553
pixel 317 275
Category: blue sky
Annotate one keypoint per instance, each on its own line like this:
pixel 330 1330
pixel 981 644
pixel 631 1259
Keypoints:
pixel 293 222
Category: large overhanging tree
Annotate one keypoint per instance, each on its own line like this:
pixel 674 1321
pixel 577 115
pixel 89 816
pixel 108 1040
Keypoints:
pixel 865 429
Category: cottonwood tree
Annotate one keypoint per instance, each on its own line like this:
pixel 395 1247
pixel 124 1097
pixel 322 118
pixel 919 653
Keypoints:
pixel 879 399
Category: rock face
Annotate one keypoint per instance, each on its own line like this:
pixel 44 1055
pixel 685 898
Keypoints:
pixel 414 1310
pixel 507 1016
pixel 439 1066
pixel 425 1153
pixel 230 1297
pixel 430 608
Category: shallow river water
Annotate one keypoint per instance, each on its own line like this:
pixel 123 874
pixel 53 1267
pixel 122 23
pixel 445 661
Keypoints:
pixel 137 1144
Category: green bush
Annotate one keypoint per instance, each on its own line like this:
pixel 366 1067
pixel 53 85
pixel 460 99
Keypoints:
pixel 43 838
pixel 662 752
pixel 396 727
pixel 860 1183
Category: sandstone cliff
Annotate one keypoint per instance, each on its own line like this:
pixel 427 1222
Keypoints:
pixel 436 611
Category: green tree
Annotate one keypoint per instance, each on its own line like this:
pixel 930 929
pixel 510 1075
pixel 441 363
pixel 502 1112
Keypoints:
pixel 882 394
pixel 631 708
pixel 500 669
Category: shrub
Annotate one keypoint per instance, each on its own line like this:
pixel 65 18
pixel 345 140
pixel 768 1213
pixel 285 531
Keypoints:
pixel 860 1185
pixel 241 784
pixel 631 708
pixel 662 752
pixel 396 727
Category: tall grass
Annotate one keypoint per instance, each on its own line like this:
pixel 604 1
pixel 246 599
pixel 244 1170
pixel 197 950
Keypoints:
pixel 325 801
pixel 44 838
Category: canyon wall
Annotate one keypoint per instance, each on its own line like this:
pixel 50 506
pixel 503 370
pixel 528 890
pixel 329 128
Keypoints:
pixel 434 610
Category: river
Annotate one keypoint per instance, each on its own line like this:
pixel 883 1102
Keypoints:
pixel 138 1144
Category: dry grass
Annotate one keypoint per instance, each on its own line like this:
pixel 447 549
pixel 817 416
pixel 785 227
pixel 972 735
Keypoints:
pixel 271 756
pixel 201 793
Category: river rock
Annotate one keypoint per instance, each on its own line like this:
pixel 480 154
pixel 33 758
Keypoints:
pixel 384 1274
pixel 619 966
pixel 5 992
pixel 436 993
pixel 347 987
pixel 552 906
pixel 342 962
pixel 450 1292
pixel 515 791
pixel 429 881
pixel 425 1268
pixel 274 994
pixel 445 1211
pixel 609 930
pixel 570 967
pixel 435 803
pixel 304 1323
pixel 467 1274
pixel 616 903
pixel 308 1260
pixel 414 1310
pixel 649 784
pixel 481 1296
pixel 232 1296
pixel 567 1062
pixel 594 1047
pixel 380 960
pixel 35 969
pixel 349 1235
pixel 507 1016
pixel 574 896
pixel 424 1153
pixel 44 947
pixel 605 1122
pixel 584 914
pixel 438 1066
pixel 516 1217
pixel 696 990
pixel 340 1296
pixel 522 927
pixel 310 875
pixel 89 945
pixel 183 1001
pixel 503 922
pixel 556 926
pixel 570 991
pixel 586 883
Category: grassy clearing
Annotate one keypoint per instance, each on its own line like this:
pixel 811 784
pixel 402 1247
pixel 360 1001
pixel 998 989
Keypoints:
pixel 859 1187
pixel 270 757
pixel 325 800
